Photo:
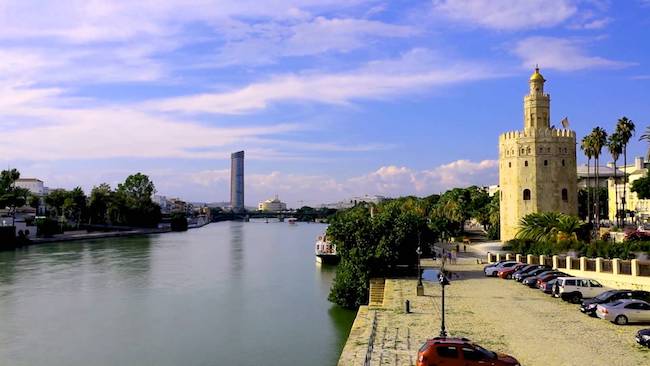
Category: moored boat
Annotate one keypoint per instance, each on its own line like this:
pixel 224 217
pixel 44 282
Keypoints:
pixel 326 251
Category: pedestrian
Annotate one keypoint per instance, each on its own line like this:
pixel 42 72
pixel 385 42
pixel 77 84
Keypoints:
pixel 457 248
pixel 433 255
pixel 464 248
pixel 449 256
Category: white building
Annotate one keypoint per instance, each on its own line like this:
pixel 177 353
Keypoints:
pixel 354 201
pixel 273 205
pixel 35 186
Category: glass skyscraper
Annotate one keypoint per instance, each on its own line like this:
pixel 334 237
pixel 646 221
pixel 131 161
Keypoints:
pixel 237 181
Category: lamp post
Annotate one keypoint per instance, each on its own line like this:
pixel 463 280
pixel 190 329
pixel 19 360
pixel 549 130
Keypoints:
pixel 443 282
pixel 420 287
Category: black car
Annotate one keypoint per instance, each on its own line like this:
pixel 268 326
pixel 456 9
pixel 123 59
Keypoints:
pixel 525 269
pixel 589 306
pixel 643 337
pixel 531 281
pixel 533 272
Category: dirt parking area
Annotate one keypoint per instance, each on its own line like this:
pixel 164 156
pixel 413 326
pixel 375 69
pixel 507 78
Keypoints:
pixel 499 314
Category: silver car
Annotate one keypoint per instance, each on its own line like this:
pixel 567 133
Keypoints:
pixel 625 311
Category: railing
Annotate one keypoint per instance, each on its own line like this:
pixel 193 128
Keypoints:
pixel 644 268
pixel 591 265
pixel 548 261
pixel 371 341
pixel 575 263
pixel 561 262
pixel 625 267
pixel 606 266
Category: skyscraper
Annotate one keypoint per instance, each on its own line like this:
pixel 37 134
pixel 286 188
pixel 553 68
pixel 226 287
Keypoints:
pixel 237 181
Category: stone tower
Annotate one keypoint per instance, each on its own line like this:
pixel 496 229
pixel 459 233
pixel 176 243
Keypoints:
pixel 537 166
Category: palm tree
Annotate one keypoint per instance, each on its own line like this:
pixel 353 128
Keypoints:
pixel 599 137
pixel 587 148
pixel 615 147
pixel 625 128
pixel 548 226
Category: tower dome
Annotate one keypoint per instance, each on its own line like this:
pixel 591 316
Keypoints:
pixel 536 76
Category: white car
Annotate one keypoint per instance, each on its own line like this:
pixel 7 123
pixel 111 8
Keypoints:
pixel 625 311
pixel 574 289
pixel 492 271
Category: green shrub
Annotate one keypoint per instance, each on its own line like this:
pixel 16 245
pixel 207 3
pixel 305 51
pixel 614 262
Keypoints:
pixel 178 222
pixel 46 227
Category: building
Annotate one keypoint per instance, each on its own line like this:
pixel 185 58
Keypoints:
pixel 640 208
pixel 237 181
pixel 353 201
pixel 492 190
pixel 273 205
pixel 537 166
pixel 587 177
pixel 35 186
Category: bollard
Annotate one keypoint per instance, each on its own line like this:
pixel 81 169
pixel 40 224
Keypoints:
pixel 407 306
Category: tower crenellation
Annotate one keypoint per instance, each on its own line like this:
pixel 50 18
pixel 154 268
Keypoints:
pixel 537 165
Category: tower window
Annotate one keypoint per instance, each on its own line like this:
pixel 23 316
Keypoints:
pixel 541 149
pixel 522 151
pixel 545 162
pixel 526 163
pixel 565 195
pixel 526 194
pixel 565 150
pixel 562 162
pixel 509 165
pixel 548 150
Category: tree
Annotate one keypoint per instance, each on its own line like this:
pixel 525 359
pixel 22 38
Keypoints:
pixel 98 203
pixel 615 147
pixel 598 140
pixel 587 147
pixel 137 189
pixel 549 227
pixel 625 129
pixel 10 195
pixel 642 187
pixel 55 200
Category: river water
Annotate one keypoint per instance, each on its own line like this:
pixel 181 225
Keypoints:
pixel 230 293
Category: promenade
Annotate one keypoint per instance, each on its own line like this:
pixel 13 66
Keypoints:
pixel 501 315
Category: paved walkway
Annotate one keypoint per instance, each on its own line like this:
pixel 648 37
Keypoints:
pixel 498 314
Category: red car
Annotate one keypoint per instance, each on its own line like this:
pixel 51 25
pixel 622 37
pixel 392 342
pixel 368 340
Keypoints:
pixel 506 273
pixel 551 276
pixel 460 352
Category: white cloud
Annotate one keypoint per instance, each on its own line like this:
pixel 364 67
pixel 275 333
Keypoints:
pixel 264 43
pixel 507 14
pixel 561 54
pixel 415 70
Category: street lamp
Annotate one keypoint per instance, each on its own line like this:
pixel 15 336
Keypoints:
pixel 420 287
pixel 443 282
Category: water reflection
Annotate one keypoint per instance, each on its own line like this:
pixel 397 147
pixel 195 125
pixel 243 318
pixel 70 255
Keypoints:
pixel 236 248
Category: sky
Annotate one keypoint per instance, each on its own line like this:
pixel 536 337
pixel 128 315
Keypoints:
pixel 329 98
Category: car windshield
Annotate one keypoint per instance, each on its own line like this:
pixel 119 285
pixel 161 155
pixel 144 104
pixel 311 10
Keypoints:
pixel 484 352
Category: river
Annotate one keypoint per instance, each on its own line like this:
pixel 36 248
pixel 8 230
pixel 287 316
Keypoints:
pixel 230 293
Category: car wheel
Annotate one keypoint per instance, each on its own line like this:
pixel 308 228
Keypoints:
pixel 509 277
pixel 621 320
pixel 575 298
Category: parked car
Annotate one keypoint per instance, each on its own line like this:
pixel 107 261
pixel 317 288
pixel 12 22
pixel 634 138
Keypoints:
pixel 532 280
pixel 625 311
pixel 541 280
pixel 531 267
pixel 506 273
pixel 495 264
pixel 547 287
pixel 574 289
pixel 492 271
pixel 589 306
pixel 643 337
pixel 460 352
pixel 532 273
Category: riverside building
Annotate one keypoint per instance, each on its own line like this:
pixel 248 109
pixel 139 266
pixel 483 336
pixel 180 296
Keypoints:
pixel 537 165
pixel 237 181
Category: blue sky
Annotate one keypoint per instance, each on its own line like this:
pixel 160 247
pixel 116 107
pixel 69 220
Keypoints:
pixel 328 98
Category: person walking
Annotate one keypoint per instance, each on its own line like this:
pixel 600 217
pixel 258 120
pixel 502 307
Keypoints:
pixel 464 248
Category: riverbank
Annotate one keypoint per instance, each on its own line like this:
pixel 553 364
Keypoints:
pixel 75 236
pixel 501 315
